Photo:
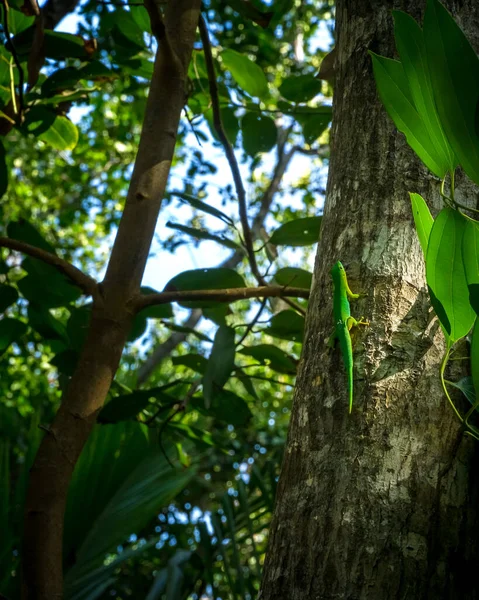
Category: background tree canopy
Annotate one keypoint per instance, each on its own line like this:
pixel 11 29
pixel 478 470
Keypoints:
pixel 173 492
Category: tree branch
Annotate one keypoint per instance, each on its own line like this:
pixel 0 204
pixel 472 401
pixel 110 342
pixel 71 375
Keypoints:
pixel 165 348
pixel 83 281
pixel 228 295
pixel 112 317
pixel 229 152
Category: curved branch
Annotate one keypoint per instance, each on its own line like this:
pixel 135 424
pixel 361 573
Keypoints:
pixel 228 295
pixel 83 281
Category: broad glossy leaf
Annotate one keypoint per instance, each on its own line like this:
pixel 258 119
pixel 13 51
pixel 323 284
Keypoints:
pixel 220 363
pixel 272 357
pixel 193 361
pixel 470 257
pixel 123 408
pixel 8 296
pixel 46 286
pixel 300 232
pixel 205 279
pixel 300 88
pixel 313 126
pixel 394 92
pixel 43 322
pixel 247 74
pixel 61 135
pixel 140 15
pixel 25 232
pixel 217 313
pixel 286 325
pixel 475 358
pixel 225 406
pixel 247 10
pixel 466 385
pixel 259 133
pixel 294 277
pixel 202 234
pixel 77 326
pixel 138 327
pixel 454 68
pixel 10 331
pixel 65 361
pixel 229 120
pixel 445 274
pixel 412 51
pixel 422 219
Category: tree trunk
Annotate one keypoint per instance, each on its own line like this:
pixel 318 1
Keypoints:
pixel 112 307
pixel 379 504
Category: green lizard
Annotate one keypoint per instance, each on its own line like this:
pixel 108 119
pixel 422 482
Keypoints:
pixel 343 322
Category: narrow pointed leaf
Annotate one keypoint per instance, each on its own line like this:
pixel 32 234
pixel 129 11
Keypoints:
pixel 454 69
pixel 422 219
pixel 394 92
pixel 445 274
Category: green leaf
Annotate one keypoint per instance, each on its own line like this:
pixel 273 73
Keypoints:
pixel 294 277
pixel 247 74
pixel 286 325
pixel 17 21
pixel 193 361
pixel 445 274
pixel 412 51
pixel 248 11
pixel 46 286
pixel 118 487
pixel 202 234
pixel 272 357
pixel 259 133
pixel 123 408
pixel 454 68
pixel 200 205
pixel 422 219
pixel 25 232
pixel 217 313
pixel 205 279
pixel 8 296
pixel 466 385
pixel 394 92
pixel 58 131
pixel 313 126
pixel 475 358
pixel 470 257
pixel 66 362
pixel 126 24
pixel 300 232
pixel 40 319
pixel 300 88
pixel 61 135
pixel 220 363
pixel 77 325
pixel 229 121
pixel 10 331
pixel 225 406
pixel 140 15
pixel 138 327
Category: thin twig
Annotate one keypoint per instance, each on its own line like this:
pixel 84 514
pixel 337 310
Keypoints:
pixel 231 158
pixel 228 295
pixel 21 76
pixel 228 148
pixel 83 281
pixel 253 322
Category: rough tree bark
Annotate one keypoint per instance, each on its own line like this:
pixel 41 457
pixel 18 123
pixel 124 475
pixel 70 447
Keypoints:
pixel 382 503
pixel 112 307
